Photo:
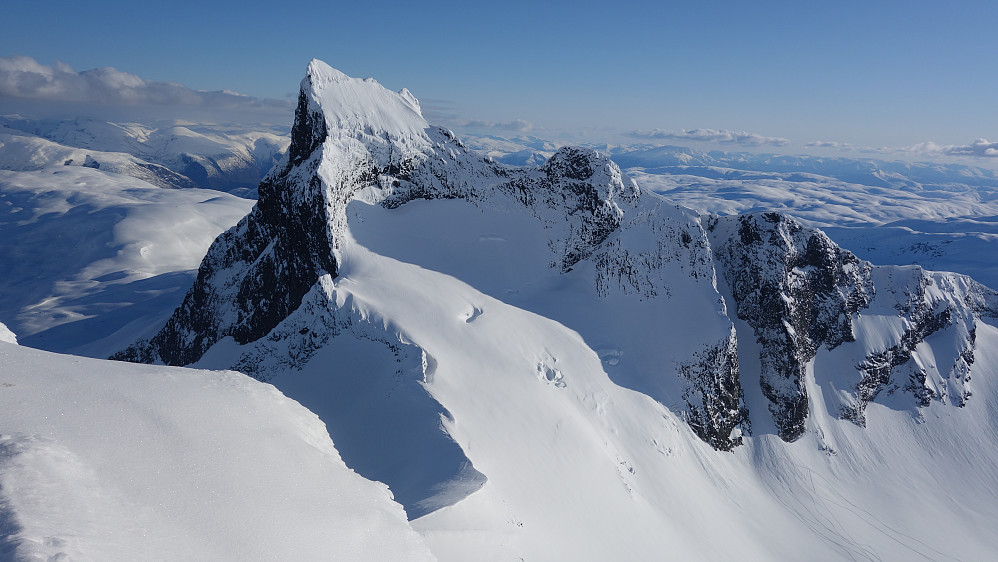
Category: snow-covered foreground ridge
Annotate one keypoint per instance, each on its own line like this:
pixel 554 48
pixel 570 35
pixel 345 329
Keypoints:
pixel 107 461
pixel 549 363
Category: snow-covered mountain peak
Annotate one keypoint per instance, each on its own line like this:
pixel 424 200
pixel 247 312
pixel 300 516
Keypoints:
pixel 362 108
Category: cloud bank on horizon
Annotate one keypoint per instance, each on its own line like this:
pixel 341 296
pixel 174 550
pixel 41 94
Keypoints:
pixel 711 135
pixel 980 148
pixel 515 125
pixel 23 77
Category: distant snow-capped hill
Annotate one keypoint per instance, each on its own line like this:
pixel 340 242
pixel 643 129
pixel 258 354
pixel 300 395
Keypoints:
pixel 552 363
pixel 22 152
pixel 205 156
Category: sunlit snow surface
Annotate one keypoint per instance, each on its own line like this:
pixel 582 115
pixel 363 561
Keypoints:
pixel 580 468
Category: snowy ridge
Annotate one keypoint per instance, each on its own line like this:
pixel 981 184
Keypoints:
pixel 297 233
pixel 6 335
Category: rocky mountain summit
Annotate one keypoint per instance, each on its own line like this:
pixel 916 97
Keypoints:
pixel 353 140
pixel 682 277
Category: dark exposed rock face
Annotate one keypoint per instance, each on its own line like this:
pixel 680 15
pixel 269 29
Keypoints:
pixel 714 397
pixel 568 184
pixel 255 274
pixel 583 189
pixel 798 291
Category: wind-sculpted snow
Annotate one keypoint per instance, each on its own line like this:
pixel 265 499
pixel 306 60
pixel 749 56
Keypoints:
pixel 366 383
pixel 6 335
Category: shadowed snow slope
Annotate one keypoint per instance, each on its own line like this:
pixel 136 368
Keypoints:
pixel 549 364
pixel 106 461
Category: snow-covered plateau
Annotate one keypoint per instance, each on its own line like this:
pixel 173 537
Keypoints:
pixel 548 362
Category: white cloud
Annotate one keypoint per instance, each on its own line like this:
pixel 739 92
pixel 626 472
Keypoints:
pixel 980 148
pixel 711 135
pixel 844 146
pixel 517 125
pixel 24 77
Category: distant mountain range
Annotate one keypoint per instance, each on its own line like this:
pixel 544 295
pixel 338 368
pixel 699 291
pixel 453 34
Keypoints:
pixel 179 156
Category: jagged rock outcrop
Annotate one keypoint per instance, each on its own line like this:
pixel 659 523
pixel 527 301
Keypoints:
pixel 799 292
pixel 941 307
pixel 255 274
pixel 714 398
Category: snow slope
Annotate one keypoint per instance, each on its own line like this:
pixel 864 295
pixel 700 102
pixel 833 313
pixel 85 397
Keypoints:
pixel 89 254
pixel 108 461
pixel 578 467
pixel 551 364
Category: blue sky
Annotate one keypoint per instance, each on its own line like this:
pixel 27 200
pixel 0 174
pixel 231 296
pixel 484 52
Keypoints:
pixel 861 74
